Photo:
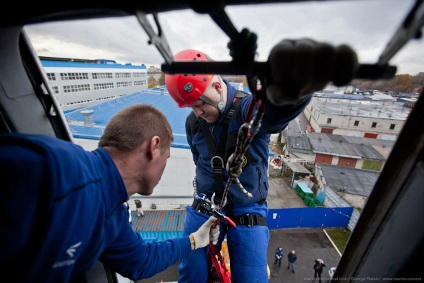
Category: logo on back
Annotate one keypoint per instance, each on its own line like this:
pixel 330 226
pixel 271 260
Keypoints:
pixel 71 252
pixel 72 249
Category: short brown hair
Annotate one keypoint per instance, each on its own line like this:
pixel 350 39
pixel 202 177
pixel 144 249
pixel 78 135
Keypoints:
pixel 134 125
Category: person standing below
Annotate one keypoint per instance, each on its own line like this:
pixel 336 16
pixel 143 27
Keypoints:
pixel 279 253
pixel 291 258
pixel 318 267
pixel 56 241
pixel 139 208
pixel 297 69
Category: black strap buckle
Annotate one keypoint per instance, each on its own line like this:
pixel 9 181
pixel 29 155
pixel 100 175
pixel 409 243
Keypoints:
pixel 250 220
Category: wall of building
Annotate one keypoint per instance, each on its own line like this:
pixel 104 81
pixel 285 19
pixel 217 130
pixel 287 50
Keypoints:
pixel 348 123
pixel 87 96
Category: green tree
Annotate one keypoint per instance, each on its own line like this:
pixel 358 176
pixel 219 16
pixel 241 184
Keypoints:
pixel 152 82
pixel 162 79
pixel 403 82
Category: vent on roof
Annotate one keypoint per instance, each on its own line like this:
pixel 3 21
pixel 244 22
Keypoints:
pixel 88 117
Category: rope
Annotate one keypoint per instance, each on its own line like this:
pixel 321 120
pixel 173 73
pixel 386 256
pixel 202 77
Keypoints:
pixel 246 133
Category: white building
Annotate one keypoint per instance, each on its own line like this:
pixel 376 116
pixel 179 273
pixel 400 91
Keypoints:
pixel 79 83
pixel 359 118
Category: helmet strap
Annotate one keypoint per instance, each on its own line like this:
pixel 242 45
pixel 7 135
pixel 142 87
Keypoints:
pixel 218 105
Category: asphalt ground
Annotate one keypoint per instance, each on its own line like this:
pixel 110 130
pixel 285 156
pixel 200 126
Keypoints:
pixel 309 244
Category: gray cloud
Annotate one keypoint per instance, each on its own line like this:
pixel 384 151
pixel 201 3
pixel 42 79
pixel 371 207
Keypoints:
pixel 365 25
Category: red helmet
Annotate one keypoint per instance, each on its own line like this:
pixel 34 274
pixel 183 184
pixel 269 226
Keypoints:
pixel 185 89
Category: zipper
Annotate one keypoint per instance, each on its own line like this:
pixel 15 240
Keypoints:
pixel 260 182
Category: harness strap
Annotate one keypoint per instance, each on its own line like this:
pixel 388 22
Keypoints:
pixel 247 219
pixel 217 153
pixel 217 163
pixel 250 220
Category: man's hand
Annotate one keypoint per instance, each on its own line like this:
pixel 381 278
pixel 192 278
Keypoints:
pixel 206 234
pixel 298 68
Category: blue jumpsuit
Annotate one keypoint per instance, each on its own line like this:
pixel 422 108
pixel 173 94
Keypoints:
pixel 62 210
pixel 247 246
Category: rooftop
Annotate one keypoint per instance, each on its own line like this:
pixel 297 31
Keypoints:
pixel 361 108
pixel 338 145
pixel 102 113
pixel 349 180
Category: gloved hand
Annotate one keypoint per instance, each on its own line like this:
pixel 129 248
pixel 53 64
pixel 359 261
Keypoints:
pixel 300 67
pixel 206 234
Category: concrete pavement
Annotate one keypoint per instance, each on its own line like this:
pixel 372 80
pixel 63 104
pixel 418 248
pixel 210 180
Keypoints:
pixel 280 195
pixel 309 244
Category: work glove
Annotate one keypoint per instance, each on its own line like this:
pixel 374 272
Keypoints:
pixel 206 234
pixel 298 68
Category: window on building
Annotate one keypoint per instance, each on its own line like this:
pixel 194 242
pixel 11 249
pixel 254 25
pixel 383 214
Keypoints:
pixel 55 89
pixel 328 120
pixel 102 75
pixel 374 124
pixel 51 76
pixel 356 123
pixel 73 76
pixel 123 75
pixel 392 126
pixel 76 88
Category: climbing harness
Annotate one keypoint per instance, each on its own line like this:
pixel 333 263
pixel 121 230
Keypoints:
pixel 242 49
pixel 245 136
pixel 234 165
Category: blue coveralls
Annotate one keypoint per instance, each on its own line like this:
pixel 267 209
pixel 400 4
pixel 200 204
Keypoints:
pixel 247 246
pixel 62 208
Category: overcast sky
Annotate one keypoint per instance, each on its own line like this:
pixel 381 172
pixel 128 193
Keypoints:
pixel 365 25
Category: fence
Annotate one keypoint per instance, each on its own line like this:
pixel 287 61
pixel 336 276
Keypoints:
pixel 317 217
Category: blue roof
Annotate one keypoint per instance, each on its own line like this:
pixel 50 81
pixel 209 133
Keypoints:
pixel 103 111
pixel 159 225
pixel 100 64
pixel 158 97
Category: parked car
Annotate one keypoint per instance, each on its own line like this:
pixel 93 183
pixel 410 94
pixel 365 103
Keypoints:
pixel 331 272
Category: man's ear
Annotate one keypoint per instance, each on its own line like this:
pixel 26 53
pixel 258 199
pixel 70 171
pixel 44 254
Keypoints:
pixel 154 146
pixel 217 86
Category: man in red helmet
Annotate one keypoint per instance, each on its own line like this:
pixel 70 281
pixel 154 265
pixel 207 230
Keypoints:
pixel 298 68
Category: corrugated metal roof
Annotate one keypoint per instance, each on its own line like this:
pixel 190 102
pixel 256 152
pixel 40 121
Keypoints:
pixel 159 225
pixel 160 236
pixel 103 64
